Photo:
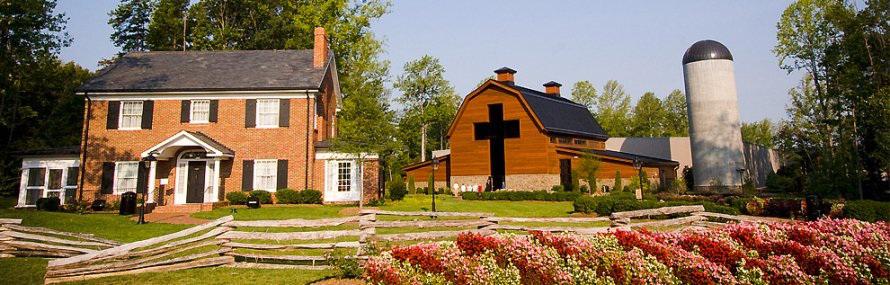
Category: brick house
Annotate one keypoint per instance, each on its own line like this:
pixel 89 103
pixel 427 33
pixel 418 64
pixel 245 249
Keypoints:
pixel 218 122
pixel 524 139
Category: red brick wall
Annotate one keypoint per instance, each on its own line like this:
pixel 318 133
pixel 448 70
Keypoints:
pixel 247 143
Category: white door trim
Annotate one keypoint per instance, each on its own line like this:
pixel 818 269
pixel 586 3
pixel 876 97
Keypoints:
pixel 211 179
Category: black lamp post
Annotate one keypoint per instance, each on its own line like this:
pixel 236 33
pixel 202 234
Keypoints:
pixel 639 166
pixel 147 164
pixel 435 166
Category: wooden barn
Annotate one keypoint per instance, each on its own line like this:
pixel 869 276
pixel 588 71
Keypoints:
pixel 524 139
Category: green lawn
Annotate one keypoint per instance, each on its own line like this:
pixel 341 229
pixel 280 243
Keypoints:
pixel 446 203
pixel 110 226
pixel 276 212
pixel 218 275
pixel 22 270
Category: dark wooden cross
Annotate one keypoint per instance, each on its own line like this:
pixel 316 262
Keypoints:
pixel 495 131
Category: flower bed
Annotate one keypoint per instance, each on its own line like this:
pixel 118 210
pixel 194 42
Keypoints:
pixel 826 251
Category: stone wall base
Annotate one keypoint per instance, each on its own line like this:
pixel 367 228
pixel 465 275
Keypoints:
pixel 518 182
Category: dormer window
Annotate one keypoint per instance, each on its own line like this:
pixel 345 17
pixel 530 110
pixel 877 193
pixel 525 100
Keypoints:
pixel 200 111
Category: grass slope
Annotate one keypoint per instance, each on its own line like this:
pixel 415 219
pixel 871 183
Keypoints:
pixel 218 275
pixel 22 270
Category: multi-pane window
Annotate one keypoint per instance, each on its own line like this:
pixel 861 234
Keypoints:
pixel 265 174
pixel 580 141
pixel 267 113
pixel 344 176
pixel 200 111
pixel 125 175
pixel 36 181
pixel 131 115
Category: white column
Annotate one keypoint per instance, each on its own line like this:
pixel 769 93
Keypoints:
pixel 152 169
pixel 23 190
pixel 216 171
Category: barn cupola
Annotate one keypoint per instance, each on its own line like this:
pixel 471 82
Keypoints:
pixel 505 75
pixel 552 88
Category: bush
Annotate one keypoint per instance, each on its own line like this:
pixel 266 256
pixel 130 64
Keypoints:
pixel 236 198
pixel 48 204
pixel 617 187
pixel 263 196
pixel 688 178
pixel 310 196
pixel 411 186
pixel 287 196
pixel 585 204
pixel 867 210
pixel 779 183
pixel 558 188
pixel 397 189
pixel 521 196
pixel 782 207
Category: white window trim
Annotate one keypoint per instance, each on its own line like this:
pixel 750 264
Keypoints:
pixel 120 119
pixel 192 110
pixel 277 104
pixel 256 174
pixel 117 167
pixel 350 171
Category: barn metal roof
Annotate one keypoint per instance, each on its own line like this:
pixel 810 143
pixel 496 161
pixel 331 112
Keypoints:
pixel 705 50
pixel 562 116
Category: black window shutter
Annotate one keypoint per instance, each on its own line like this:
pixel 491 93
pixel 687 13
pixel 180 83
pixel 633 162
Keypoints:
pixel 114 112
pixel 284 113
pixel 141 178
pixel 282 174
pixel 250 114
pixel 107 177
pixel 73 172
pixel 247 176
pixel 36 176
pixel 148 109
pixel 214 110
pixel 185 111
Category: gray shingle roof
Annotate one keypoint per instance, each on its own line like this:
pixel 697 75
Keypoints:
pixel 208 71
pixel 562 116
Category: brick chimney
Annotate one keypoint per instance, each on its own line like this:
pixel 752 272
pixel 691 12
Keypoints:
pixel 552 88
pixel 505 75
pixel 320 51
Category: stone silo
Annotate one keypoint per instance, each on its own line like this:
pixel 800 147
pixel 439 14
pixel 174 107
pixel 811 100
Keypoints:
pixel 718 160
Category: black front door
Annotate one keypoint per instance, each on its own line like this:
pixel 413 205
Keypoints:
pixel 195 193
pixel 565 174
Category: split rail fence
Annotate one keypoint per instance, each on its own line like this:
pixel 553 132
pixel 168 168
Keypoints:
pixel 299 243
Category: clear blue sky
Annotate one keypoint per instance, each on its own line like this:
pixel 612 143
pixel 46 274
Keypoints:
pixel 638 43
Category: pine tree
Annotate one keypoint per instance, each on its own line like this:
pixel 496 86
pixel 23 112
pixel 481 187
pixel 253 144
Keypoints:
pixel 165 32
pixel 130 22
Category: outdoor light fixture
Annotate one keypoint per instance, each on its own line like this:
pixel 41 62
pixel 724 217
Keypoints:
pixel 435 166
pixel 638 165
pixel 147 164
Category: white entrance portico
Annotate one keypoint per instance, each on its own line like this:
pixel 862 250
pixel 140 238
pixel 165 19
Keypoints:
pixel 197 160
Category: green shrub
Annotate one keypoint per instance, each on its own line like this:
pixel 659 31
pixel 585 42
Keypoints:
pixel 236 198
pixel 50 204
pixel 617 187
pixel 411 185
pixel 782 207
pixel 309 196
pixel 287 196
pixel 264 196
pixel 585 204
pixel 867 210
pixel 779 183
pixel 557 188
pixel 521 196
pixel 397 189
pixel 431 185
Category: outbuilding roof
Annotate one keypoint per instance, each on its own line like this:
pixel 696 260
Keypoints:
pixel 705 50
pixel 160 71
pixel 562 116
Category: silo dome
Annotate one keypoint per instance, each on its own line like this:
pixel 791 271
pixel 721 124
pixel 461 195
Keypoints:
pixel 706 49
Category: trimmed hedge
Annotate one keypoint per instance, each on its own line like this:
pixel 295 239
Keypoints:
pixel 263 196
pixel 290 196
pixel 867 210
pixel 625 201
pixel 521 196
pixel 236 198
